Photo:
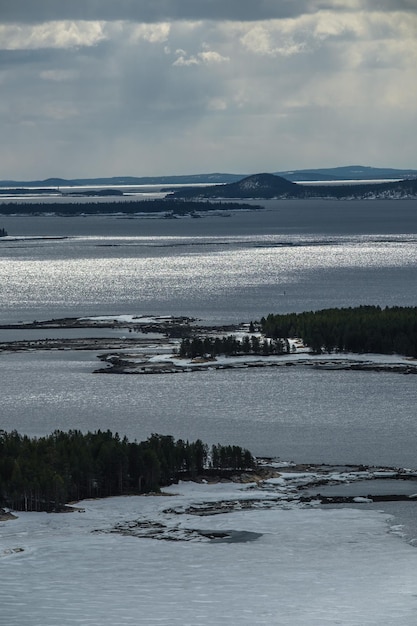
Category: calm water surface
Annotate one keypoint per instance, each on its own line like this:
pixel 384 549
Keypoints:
pixel 296 413
pixel 294 256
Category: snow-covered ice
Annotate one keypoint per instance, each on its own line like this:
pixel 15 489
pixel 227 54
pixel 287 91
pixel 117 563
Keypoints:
pixel 128 319
pixel 310 566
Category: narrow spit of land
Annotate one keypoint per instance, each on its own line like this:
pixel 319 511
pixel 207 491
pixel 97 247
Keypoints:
pixel 130 344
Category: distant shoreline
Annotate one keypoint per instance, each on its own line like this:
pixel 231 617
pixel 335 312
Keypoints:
pixel 163 207
pixel 131 354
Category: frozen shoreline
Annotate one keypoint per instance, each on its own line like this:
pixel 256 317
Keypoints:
pixel 285 563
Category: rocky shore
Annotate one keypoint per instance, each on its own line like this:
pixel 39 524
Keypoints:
pixel 271 485
pixel 5 516
pixel 149 345
pixel 121 364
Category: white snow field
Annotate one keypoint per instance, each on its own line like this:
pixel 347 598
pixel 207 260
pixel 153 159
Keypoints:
pixel 309 567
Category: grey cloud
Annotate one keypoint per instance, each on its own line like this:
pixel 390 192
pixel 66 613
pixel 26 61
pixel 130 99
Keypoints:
pixel 10 58
pixel 41 57
pixel 46 57
pixel 27 11
pixel 121 104
pixel 392 5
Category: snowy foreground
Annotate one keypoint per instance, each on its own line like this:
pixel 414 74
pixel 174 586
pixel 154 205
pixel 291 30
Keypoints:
pixel 292 565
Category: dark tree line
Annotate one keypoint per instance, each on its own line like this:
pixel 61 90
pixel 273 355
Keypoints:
pixel 3 232
pixel 359 329
pixel 234 457
pixel 229 346
pixel 42 474
pixel 168 205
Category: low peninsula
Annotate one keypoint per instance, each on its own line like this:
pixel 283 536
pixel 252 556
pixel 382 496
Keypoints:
pixel 364 338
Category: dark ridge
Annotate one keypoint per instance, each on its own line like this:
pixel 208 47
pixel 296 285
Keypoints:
pixel 216 177
pixel 349 172
pixel 266 186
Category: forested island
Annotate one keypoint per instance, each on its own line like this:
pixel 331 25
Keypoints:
pixel 170 207
pixel 43 474
pixel 366 328
pixel 386 330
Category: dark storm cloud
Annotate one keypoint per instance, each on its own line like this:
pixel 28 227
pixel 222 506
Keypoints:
pixel 391 5
pixel 27 11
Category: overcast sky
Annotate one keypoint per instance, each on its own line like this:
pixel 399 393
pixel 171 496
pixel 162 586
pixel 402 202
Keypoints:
pixel 155 87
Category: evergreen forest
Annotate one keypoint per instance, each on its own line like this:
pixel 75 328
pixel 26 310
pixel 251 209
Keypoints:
pixel 170 206
pixel 43 474
pixel 390 330
pixel 230 346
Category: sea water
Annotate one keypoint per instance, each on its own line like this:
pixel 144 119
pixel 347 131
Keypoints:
pixel 291 256
pixel 310 566
pixel 295 413
pixel 294 256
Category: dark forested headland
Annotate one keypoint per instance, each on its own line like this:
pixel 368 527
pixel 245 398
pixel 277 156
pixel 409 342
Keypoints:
pixel 42 474
pixel 354 329
pixel 169 206
pixel 359 329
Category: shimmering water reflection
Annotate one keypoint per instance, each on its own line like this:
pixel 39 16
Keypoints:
pixel 295 256
pixel 295 413
pixel 238 280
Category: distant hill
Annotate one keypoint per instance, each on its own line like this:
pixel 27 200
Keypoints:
pixel 255 186
pixel 126 180
pixel 266 186
pixel 349 172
